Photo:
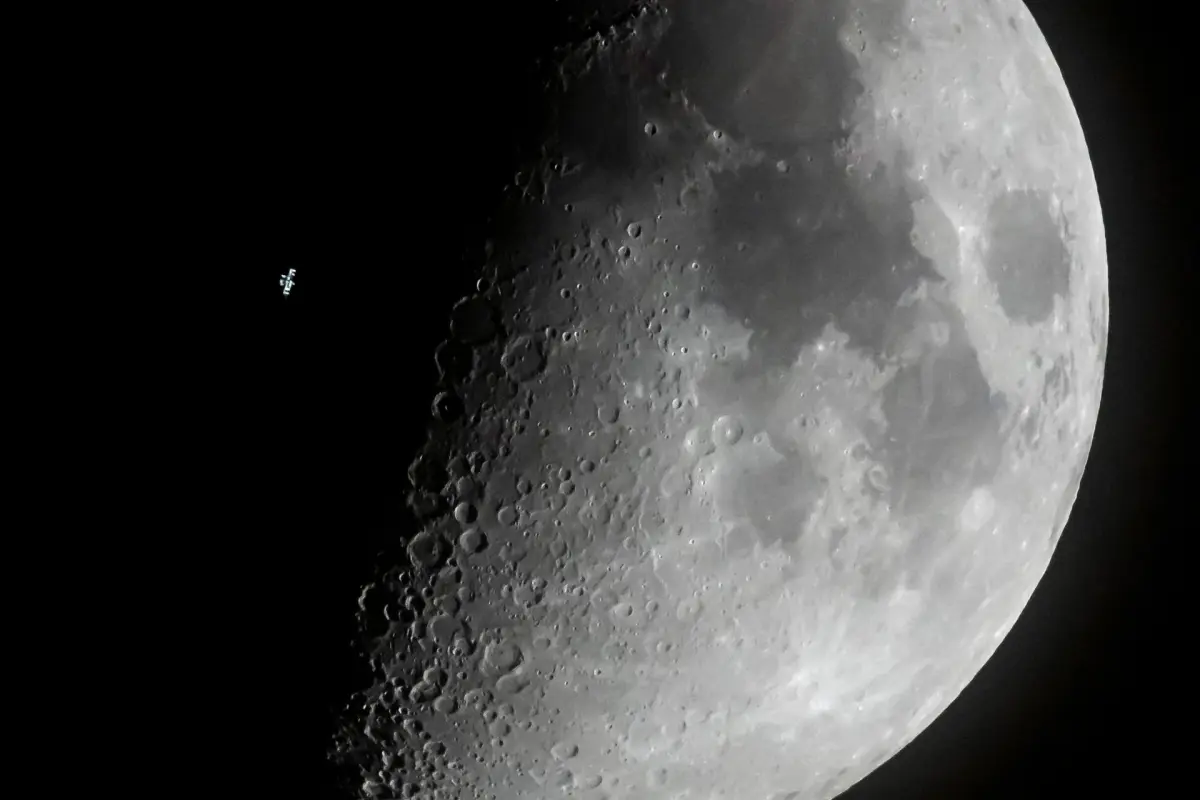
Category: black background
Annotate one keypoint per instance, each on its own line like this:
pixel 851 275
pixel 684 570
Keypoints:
pixel 366 153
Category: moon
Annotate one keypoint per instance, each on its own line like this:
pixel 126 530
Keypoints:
pixel 764 420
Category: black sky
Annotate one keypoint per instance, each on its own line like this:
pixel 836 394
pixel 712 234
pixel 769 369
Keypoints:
pixel 365 153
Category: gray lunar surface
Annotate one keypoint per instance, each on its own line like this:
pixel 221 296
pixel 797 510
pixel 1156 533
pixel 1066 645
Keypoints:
pixel 767 415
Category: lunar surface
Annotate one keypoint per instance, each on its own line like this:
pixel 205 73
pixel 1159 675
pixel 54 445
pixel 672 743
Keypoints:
pixel 765 419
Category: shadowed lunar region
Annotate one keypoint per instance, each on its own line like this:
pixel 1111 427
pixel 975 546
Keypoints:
pixel 766 416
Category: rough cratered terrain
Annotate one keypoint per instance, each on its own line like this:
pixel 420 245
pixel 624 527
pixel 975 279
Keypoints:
pixel 766 416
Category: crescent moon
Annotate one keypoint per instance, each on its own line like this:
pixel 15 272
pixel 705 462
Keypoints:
pixel 796 354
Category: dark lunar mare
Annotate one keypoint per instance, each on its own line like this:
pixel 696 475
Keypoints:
pixel 794 243
pixel 1026 257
